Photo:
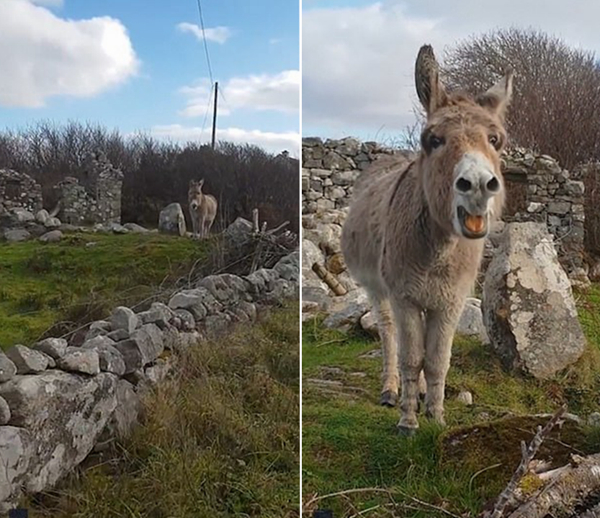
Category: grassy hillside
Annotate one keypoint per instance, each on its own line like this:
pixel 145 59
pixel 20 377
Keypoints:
pixel 221 439
pixel 83 277
pixel 352 452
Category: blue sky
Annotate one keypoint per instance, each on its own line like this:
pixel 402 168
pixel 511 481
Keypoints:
pixel 140 65
pixel 358 55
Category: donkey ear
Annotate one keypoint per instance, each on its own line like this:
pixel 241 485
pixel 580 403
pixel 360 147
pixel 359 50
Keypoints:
pixel 201 182
pixel 430 89
pixel 497 98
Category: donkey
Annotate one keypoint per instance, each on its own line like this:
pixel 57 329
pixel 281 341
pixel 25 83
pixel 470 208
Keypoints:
pixel 414 235
pixel 203 209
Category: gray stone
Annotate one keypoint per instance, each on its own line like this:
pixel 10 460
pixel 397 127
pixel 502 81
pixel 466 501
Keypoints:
pixel 63 415
pixel 188 323
pixel 135 228
pixel 77 359
pixel 288 267
pixel 159 314
pixel 16 235
pixel 471 321
pixel 158 372
pixel 4 412
pixel 239 232
pixel 369 323
pixel 199 302
pixel 53 347
pixel 465 397
pixel 171 220
pixel 127 410
pixel 54 236
pixel 132 355
pixel 226 288
pixel 346 311
pixel 52 223
pixel 149 340
pixel 27 360
pixel 42 216
pixel 117 335
pixel 594 419
pixel 98 328
pixel 7 368
pixel 528 305
pixel 124 318
pixel 110 359
pixel 17 453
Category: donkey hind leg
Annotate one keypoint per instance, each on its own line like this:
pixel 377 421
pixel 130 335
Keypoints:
pixel 389 349
pixel 207 224
pixel 438 349
pixel 411 351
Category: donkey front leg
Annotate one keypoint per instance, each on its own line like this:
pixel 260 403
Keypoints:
pixel 440 329
pixel 194 219
pixel 389 350
pixel 411 350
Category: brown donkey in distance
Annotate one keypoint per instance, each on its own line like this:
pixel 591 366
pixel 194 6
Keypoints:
pixel 203 209
pixel 414 235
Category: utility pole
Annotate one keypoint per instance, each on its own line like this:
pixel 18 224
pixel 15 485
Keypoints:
pixel 214 124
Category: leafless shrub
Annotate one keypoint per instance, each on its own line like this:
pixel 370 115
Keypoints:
pixel 157 173
pixel 557 89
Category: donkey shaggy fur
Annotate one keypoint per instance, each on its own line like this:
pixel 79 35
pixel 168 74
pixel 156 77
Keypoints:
pixel 414 235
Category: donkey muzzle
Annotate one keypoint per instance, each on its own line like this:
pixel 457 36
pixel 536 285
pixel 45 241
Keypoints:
pixel 475 185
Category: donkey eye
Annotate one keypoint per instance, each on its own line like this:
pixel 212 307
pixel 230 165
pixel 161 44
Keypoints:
pixel 494 141
pixel 435 142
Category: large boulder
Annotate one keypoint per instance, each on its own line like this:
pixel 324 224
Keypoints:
pixel 528 306
pixel 171 220
pixel 239 232
pixel 59 418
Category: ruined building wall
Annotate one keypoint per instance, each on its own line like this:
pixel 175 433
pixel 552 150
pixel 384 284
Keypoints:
pixel 96 199
pixel 18 190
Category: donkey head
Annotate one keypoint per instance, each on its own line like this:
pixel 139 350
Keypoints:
pixel 461 144
pixel 195 193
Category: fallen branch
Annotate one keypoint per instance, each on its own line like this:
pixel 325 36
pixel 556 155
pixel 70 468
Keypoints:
pixel 328 278
pixel 527 455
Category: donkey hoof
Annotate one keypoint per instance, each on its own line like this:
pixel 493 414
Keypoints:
pixel 388 399
pixel 406 431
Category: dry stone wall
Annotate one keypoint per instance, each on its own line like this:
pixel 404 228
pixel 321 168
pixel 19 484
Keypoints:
pixel 59 399
pixel 539 189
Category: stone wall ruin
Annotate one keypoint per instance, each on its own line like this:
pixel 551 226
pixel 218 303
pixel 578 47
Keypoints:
pixel 19 191
pixel 97 198
pixel 538 189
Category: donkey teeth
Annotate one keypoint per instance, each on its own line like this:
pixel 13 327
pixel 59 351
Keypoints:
pixel 475 224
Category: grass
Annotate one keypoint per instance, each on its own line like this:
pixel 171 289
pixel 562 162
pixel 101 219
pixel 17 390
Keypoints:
pixel 350 444
pixel 221 439
pixel 83 278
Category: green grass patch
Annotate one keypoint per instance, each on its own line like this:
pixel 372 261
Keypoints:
pixel 221 439
pixel 350 444
pixel 83 278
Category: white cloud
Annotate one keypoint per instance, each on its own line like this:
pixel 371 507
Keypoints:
pixel 43 55
pixel 357 68
pixel 217 34
pixel 49 3
pixel 271 142
pixel 277 92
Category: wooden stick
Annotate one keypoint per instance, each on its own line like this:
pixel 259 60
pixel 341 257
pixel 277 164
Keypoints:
pixel 329 279
pixel 527 455
pixel 255 226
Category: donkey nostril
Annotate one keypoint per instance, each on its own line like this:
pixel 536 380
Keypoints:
pixel 493 185
pixel 463 185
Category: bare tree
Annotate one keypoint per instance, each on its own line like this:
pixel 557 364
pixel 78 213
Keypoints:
pixel 556 103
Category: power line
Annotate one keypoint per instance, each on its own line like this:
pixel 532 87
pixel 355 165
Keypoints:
pixel 205 44
pixel 207 108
